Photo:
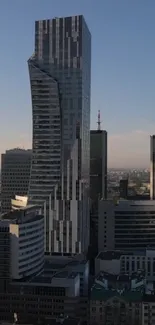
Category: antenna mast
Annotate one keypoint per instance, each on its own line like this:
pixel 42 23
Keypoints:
pixel 99 122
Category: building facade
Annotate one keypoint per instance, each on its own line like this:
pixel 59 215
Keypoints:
pixel 98 181
pixel 98 164
pixel 120 262
pixel 25 230
pixel 116 299
pixel 152 167
pixel 15 175
pixel 148 310
pixel 126 225
pixel 60 87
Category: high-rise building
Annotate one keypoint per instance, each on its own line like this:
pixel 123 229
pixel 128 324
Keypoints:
pixel 98 181
pixel 60 86
pixel 15 175
pixel 98 164
pixel 152 167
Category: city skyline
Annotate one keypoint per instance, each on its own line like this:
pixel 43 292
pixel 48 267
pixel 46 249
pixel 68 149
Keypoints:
pixel 122 73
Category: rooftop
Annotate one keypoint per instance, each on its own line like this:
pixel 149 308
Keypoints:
pixel 110 255
pixel 116 255
pixel 119 278
pixel 99 293
pixel 63 263
pixel 23 215
pixel 45 278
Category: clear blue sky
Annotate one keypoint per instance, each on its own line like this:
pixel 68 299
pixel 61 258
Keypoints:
pixel 123 71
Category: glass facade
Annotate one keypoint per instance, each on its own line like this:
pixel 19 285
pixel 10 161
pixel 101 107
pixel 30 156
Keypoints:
pixel 60 86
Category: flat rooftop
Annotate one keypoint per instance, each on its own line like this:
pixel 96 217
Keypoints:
pixel 60 263
pixel 116 255
pixel 110 255
pixel 45 278
pixel 119 278
pixel 19 215
pixel 99 293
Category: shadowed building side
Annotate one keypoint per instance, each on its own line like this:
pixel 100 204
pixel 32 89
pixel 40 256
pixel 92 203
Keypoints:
pixel 152 167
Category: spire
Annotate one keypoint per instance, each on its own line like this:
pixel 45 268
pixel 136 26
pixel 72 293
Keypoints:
pixel 99 121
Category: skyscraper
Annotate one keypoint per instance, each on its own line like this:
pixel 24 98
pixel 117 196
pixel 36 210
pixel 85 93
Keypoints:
pixel 60 86
pixel 98 164
pixel 15 175
pixel 98 180
pixel 152 167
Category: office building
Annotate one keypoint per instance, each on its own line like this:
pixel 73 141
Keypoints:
pixel 120 262
pixel 126 225
pixel 117 299
pixel 123 188
pixel 15 175
pixel 98 180
pixel 152 167
pixel 60 87
pixel 148 309
pixel 98 164
pixel 33 286
pixel 24 230
pixel 76 264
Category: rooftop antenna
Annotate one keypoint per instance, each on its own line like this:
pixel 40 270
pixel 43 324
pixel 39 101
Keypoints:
pixel 99 122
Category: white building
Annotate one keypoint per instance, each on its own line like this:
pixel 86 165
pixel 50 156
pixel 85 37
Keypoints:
pixel 126 225
pixel 119 262
pixel 26 228
pixel 19 202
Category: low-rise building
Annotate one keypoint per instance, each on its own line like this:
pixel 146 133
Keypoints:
pixel 120 262
pixel 77 264
pixel 116 299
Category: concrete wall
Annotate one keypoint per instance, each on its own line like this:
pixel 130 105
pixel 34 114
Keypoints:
pixel 109 266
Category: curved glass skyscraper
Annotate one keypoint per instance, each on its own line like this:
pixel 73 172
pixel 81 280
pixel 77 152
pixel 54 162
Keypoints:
pixel 60 87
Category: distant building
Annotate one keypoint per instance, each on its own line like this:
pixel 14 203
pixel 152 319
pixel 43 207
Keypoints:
pixel 98 181
pixel 123 188
pixel 152 167
pixel 120 262
pixel 116 299
pixel 15 175
pixel 126 225
pixel 98 164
